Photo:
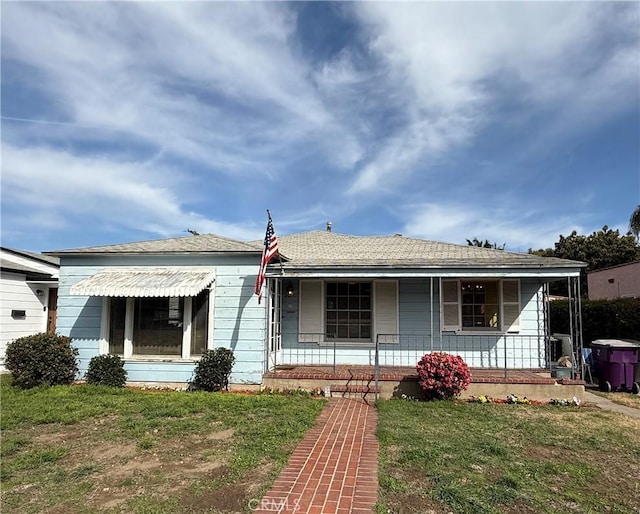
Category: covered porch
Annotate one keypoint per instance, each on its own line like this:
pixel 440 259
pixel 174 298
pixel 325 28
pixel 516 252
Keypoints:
pixel 393 323
pixel 365 309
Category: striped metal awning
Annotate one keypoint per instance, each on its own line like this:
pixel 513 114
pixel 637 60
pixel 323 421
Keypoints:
pixel 146 281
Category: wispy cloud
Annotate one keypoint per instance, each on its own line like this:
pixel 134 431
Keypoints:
pixel 457 222
pixel 123 194
pixel 459 66
pixel 159 116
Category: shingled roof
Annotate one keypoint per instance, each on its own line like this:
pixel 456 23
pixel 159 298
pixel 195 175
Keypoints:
pixel 321 249
pixel 203 243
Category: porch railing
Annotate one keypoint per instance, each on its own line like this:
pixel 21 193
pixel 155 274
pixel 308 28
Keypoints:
pixel 494 351
pixel 506 352
pixel 308 349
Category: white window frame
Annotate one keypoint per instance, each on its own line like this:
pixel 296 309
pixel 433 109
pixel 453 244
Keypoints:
pixel 459 329
pixel 347 340
pixel 309 305
pixel 129 325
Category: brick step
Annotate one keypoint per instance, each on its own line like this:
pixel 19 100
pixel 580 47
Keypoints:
pixel 360 389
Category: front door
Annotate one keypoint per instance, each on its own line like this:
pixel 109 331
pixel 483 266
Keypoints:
pixel 52 310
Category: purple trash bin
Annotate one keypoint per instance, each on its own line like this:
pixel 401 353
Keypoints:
pixel 616 360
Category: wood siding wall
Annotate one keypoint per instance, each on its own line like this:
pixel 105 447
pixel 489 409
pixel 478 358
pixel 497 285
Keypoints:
pixel 18 295
pixel 239 322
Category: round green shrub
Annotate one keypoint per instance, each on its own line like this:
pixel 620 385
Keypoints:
pixel 41 359
pixel 106 370
pixel 213 370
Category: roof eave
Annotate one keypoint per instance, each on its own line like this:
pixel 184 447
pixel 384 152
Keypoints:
pixel 69 253
pixel 315 267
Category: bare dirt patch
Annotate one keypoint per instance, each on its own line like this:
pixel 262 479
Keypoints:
pixel 119 469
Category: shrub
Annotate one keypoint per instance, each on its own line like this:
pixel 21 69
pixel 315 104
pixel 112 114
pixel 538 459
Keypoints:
pixel 41 359
pixel 442 376
pixel 601 319
pixel 106 370
pixel 213 370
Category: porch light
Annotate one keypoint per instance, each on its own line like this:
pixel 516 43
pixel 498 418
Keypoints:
pixel 289 290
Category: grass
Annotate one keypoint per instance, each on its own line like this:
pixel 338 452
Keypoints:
pixel 474 458
pixel 88 449
pixel 85 449
pixel 626 399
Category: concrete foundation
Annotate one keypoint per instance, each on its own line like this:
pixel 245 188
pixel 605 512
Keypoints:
pixel 408 386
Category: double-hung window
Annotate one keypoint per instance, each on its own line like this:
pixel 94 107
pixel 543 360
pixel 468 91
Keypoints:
pixel 348 312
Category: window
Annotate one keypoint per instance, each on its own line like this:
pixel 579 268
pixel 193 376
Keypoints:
pixel 479 304
pixel 199 323
pixel 159 326
pixel 116 326
pixel 490 305
pixel 348 311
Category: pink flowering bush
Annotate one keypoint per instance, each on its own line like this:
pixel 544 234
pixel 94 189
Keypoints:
pixel 442 376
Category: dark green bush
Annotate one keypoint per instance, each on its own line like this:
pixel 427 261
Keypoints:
pixel 106 370
pixel 601 319
pixel 41 359
pixel 213 370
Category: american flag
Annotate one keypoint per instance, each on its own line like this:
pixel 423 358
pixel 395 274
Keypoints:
pixel 268 252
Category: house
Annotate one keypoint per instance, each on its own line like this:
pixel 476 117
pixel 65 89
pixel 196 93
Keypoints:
pixel 622 281
pixel 28 295
pixel 331 299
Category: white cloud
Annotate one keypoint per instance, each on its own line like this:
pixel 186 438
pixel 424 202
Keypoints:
pixel 216 83
pixel 59 186
pixel 424 140
pixel 455 64
pixel 166 103
pixel 457 222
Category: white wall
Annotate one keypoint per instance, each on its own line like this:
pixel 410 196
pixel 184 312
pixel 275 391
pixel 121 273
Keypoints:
pixel 16 294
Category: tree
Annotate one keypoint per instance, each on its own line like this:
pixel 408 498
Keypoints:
pixel 634 222
pixel 599 250
pixel 484 244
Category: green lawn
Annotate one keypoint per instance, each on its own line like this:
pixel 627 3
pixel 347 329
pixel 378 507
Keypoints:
pixel 474 458
pixel 87 449
pixel 84 449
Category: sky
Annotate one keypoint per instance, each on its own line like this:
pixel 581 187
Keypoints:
pixel 129 121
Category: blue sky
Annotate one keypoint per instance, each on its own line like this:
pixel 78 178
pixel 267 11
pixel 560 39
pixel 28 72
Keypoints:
pixel 513 122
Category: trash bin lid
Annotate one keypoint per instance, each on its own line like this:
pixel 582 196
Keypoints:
pixel 616 343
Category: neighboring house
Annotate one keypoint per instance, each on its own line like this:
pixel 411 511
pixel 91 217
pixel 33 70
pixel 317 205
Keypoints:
pixel 28 295
pixel 330 299
pixel 621 281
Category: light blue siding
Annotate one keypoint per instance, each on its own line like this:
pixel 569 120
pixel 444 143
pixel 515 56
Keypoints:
pixel 239 322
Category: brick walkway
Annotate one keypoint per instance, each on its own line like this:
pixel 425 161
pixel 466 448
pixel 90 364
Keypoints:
pixel 335 467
